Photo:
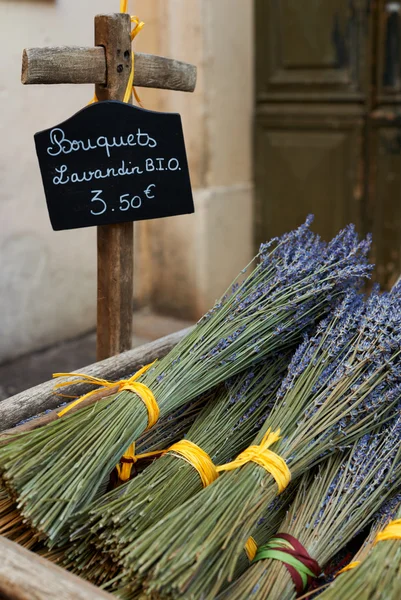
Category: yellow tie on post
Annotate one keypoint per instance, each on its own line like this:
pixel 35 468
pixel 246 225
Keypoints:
pixel 139 25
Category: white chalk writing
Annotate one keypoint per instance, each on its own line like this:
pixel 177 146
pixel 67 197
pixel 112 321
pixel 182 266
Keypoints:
pixel 60 144
pixel 64 176
pixel 126 201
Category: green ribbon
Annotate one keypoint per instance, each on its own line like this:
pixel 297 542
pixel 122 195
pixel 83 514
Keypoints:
pixel 270 550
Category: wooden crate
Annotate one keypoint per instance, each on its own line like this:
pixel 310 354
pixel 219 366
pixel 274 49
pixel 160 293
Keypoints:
pixel 23 574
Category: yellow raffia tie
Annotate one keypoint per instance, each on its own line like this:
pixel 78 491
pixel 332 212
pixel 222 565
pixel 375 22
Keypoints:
pixel 131 384
pixel 197 458
pixel 208 472
pixel 349 567
pixel 251 548
pixel 392 531
pixel 269 460
pixel 130 459
pixel 184 449
pixel 139 25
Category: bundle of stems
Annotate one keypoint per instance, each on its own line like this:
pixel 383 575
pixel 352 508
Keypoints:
pixel 163 434
pixel 377 576
pixel 57 470
pixel 265 528
pixel 224 427
pixel 339 385
pixel 11 523
pixel 329 509
pixel 358 549
pixel 384 515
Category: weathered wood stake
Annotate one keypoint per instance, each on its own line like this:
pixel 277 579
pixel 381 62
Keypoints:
pixel 88 65
pixel 115 243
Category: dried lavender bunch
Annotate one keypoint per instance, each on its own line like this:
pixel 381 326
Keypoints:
pixel 56 471
pixel 358 548
pixel 264 529
pixel 383 516
pixel 361 545
pixel 267 526
pixel 378 574
pixel 339 386
pixel 225 426
pixel 330 508
pixel 163 434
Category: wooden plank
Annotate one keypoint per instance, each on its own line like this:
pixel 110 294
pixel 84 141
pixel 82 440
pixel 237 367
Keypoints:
pixel 42 397
pixel 115 243
pixel 76 64
pixel 27 576
pixel 164 73
pixel 7 435
pixel 63 64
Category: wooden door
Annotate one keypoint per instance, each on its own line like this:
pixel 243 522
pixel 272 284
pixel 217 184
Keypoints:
pixel 327 130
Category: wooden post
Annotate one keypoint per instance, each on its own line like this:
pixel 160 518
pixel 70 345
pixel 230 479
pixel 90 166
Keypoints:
pixel 108 66
pixel 115 243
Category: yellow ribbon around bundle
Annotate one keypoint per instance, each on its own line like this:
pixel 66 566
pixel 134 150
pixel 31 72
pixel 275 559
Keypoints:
pixel 184 449
pixel 131 384
pixel 130 85
pixel 129 459
pixel 197 458
pixel 392 531
pixel 349 567
pixel 269 460
pixel 251 548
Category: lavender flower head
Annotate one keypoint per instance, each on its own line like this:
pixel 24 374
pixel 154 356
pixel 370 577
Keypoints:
pixel 348 372
pixel 365 477
pixel 297 280
pixel 387 512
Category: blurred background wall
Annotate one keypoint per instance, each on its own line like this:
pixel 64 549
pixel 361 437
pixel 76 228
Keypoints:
pixel 48 279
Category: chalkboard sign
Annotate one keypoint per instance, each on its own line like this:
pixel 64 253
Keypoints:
pixel 113 162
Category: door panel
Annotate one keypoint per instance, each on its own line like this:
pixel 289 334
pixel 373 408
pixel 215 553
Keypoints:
pixel 385 196
pixel 389 53
pixel 328 120
pixel 310 49
pixel 308 163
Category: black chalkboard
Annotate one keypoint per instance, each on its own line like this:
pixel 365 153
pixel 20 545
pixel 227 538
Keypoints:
pixel 113 162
